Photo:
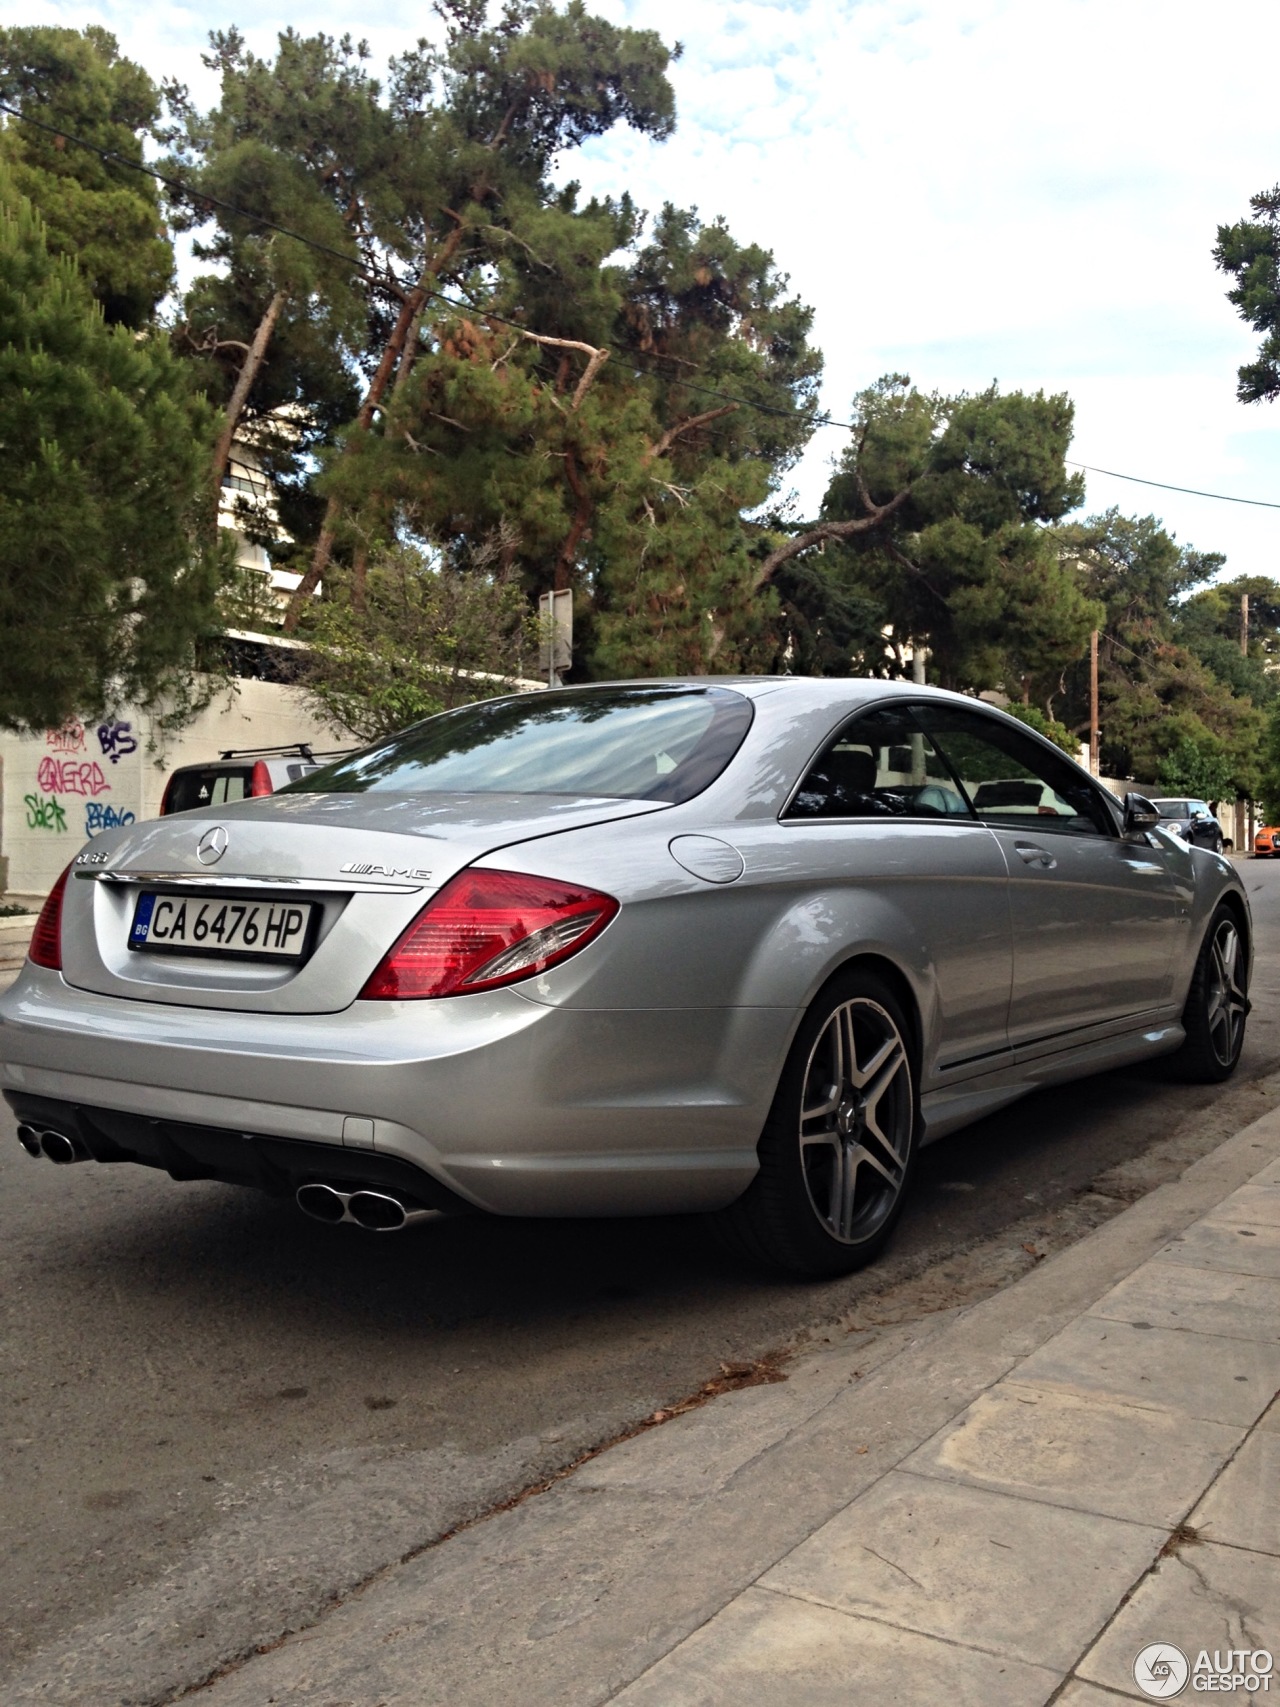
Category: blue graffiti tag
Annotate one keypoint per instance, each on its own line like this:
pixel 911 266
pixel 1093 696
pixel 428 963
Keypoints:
pixel 98 815
pixel 116 740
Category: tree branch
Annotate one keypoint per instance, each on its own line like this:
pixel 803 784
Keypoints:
pixel 596 358
pixel 249 370
pixel 688 425
pixel 880 513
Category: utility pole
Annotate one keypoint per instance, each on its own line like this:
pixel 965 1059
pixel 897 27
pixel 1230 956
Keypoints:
pixel 1093 703
pixel 1244 625
pixel 917 740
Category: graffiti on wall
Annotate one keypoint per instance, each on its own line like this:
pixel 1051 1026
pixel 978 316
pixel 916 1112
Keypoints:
pixel 65 768
pixel 44 814
pixel 69 739
pixel 101 815
pixel 72 776
pixel 117 740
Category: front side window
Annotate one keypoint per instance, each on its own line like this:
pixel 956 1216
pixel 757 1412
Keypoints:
pixel 631 743
pixel 880 765
pixel 1010 778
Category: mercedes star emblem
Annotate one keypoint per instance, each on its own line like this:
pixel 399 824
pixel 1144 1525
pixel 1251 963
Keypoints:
pixel 212 845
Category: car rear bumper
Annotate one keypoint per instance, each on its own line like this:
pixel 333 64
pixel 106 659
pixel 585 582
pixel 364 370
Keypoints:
pixel 510 1105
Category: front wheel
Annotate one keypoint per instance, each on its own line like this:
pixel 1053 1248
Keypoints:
pixel 838 1148
pixel 1217 1005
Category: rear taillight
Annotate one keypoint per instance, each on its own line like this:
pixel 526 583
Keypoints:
pixel 260 781
pixel 488 928
pixel 46 938
pixel 166 799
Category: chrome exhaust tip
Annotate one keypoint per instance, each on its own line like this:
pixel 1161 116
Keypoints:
pixel 322 1203
pixel 59 1148
pixel 375 1211
pixel 379 1212
pixel 29 1138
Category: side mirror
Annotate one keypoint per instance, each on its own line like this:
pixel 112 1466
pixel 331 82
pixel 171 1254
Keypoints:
pixel 1139 814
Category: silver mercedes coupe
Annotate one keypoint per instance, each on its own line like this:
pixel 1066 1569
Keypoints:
pixel 736 946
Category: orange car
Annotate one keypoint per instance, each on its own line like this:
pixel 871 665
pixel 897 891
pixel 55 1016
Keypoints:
pixel 1264 843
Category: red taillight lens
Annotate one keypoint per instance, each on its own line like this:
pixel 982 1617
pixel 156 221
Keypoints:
pixel 260 781
pixel 487 928
pixel 167 797
pixel 46 938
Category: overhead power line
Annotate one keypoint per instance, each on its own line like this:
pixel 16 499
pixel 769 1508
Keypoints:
pixel 1192 491
pixel 813 418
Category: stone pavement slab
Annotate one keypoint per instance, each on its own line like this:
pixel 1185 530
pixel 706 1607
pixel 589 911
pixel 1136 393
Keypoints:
pixel 1254 1205
pixel 1087 1452
pixel 1203 1596
pixel 1202 1375
pixel 1202 1300
pixel 1242 1508
pixel 1239 1249
pixel 1012 1576
pixel 771 1651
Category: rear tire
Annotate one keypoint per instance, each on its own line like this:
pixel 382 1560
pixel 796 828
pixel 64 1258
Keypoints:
pixel 839 1146
pixel 1217 1005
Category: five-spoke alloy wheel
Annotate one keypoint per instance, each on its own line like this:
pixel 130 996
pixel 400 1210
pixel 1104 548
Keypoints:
pixel 856 1117
pixel 837 1150
pixel 1217 1005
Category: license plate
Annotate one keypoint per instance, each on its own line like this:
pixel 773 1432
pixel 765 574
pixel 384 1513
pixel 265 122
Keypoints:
pixel 263 930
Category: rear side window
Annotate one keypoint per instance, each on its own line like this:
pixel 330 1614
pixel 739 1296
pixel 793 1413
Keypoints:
pixel 201 786
pixel 630 743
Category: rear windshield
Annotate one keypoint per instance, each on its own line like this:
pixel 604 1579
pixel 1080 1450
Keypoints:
pixel 205 787
pixel 629 743
pixel 1173 808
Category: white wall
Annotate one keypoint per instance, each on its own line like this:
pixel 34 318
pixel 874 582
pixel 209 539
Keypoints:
pixel 59 788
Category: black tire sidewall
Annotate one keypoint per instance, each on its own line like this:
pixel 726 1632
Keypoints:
pixel 1197 1057
pixel 795 1231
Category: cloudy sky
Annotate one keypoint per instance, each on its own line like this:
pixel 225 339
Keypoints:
pixel 965 190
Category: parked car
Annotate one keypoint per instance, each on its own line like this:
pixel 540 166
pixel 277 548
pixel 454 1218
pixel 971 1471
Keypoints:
pixel 245 775
pixel 693 945
pixel 1192 820
pixel 1264 843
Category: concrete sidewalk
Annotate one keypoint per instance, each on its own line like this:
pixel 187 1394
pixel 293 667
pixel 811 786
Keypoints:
pixel 1004 1504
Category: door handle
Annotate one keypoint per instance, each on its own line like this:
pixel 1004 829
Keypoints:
pixel 1034 855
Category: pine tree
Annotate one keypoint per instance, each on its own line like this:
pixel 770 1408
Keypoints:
pixel 940 508
pixel 102 213
pixel 106 581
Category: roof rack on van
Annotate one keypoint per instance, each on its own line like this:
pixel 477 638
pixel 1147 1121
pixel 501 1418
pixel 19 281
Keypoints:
pixel 302 748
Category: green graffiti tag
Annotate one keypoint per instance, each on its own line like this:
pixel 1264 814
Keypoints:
pixel 44 814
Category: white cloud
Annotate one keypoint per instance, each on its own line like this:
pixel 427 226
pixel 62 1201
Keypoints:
pixel 1025 190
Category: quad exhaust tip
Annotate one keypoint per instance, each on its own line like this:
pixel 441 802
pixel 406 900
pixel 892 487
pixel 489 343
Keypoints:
pixel 53 1146
pixel 375 1211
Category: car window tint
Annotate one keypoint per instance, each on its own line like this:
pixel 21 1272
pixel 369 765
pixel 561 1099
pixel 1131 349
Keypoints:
pixel 880 765
pixel 1011 779
pixel 1173 808
pixel 634 743
pixel 201 787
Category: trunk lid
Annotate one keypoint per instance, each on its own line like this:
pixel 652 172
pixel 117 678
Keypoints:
pixel 369 862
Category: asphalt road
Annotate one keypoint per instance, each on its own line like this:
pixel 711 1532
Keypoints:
pixel 217 1415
